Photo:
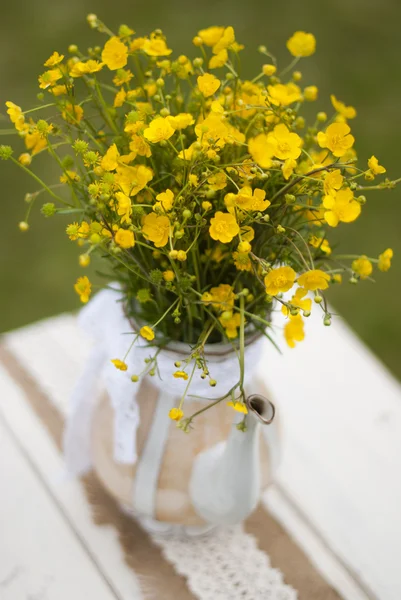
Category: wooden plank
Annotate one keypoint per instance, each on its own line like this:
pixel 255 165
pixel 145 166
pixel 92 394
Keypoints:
pixel 40 556
pixel 99 544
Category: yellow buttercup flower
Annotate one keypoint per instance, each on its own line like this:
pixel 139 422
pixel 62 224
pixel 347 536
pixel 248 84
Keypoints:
pixel 374 166
pixel 242 261
pixel 298 301
pixel 231 323
pixel 165 200
pixel 83 288
pixel 49 78
pixel 226 40
pixel 219 60
pixel 247 199
pixel 208 84
pixel 180 375
pixel 238 406
pixel 347 112
pixel 311 93
pixel 222 297
pixel 115 54
pixel 181 121
pixel 124 207
pixel 294 330
pixel 119 364
pixel 279 280
pixel 124 238
pixel 262 148
pixel 176 414
pixel 341 206
pixel 223 227
pixel 269 70
pixel 168 275
pixel 217 181
pixel 72 113
pixel 315 279
pixel 159 129
pixel 302 44
pixel 54 60
pixel 321 243
pixel 284 94
pixel 336 138
pixel 385 260
pixel 16 116
pixel 110 159
pixel 156 46
pixel 288 167
pixel 156 229
pixel 333 182
pixel 286 143
pixel 211 36
pixel 362 266
pixel 119 98
pixel 133 179
pixel 147 333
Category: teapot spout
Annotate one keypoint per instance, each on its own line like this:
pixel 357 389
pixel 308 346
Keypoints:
pixel 225 480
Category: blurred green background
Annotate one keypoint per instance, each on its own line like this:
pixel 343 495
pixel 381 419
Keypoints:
pixel 358 58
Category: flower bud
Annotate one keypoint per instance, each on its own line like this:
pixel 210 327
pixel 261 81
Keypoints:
pixel 244 247
pixel 181 255
pixel 269 70
pixel 186 214
pixel 179 234
pixel 84 260
pixel 23 226
pixel 197 41
pixel 134 378
pixel 177 363
pixel 297 75
pixel 198 62
pixel 173 254
pixel 72 48
pixel 327 320
pixel 318 299
pixel 212 382
pixel 321 117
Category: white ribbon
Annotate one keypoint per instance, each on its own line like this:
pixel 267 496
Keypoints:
pixel 104 320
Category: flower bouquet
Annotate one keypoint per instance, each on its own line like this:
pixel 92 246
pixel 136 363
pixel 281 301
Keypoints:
pixel 207 195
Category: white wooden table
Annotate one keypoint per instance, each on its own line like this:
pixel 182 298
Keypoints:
pixel 337 494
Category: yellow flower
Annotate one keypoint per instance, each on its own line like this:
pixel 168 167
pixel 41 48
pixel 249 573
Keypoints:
pixel 247 199
pixel 217 181
pixel 288 168
pixel 25 159
pixel 294 331
pixel 133 179
pixel 238 406
pixel 119 364
pixel 231 324
pixel 166 200
pixel 208 84
pixel 16 116
pixel 348 112
pixel 222 297
pixel 310 93
pixel 181 121
pixel 302 44
pixel 109 161
pixel 83 288
pixel 115 54
pixel 176 414
pixel 362 266
pixel 156 46
pixel 211 35
pixel 76 231
pixel 156 229
pixel 336 138
pixel 49 78
pixel 269 70
pixel 122 76
pixel 315 279
pixel 119 98
pixel 337 278
pixel 147 333
pixel 54 60
pixel 180 375
pixel 140 146
pixel 58 90
pixel 374 166
pixel 159 129
pixel 242 261
pixel 124 208
pixel 84 260
pixel 193 180
pixel 79 68
pixel 385 259
pixel 219 60
pixel 223 227
pixel 341 207
pixel 322 244
pixel 284 95
pixel 287 144
pixel 226 40
pixel 72 113
pixel 333 182
pixel 279 280
pixel 124 238
pixel 168 275
pixel 299 301
pixel 262 149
